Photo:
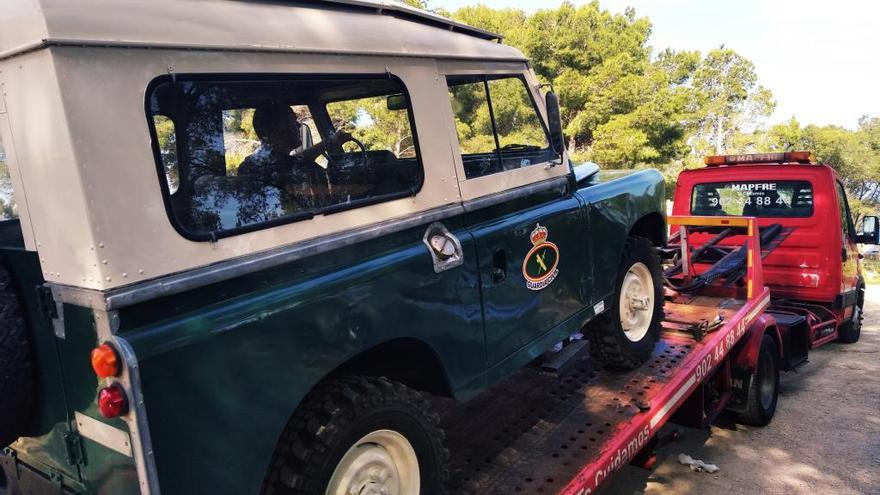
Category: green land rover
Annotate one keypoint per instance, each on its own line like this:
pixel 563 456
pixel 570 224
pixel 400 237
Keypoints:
pixel 246 240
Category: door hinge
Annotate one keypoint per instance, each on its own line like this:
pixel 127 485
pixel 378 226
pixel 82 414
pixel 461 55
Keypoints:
pixel 76 454
pixel 52 311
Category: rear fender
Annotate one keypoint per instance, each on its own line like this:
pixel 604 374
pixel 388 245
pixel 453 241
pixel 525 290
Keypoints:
pixel 750 345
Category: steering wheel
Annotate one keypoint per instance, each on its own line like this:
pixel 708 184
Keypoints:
pixel 334 168
pixel 327 154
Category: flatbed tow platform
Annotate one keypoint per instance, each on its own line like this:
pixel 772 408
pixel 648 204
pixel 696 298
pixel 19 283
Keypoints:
pixel 570 430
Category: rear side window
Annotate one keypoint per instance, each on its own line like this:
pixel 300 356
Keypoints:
pixel 753 199
pixel 497 124
pixel 8 210
pixel 237 154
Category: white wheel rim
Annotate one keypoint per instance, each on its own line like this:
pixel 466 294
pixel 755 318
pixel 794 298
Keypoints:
pixel 381 463
pixel 636 302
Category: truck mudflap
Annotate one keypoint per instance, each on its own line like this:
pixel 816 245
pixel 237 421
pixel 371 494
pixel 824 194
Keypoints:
pixel 570 431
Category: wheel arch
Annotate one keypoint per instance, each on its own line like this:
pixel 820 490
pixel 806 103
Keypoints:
pixel 751 344
pixel 410 361
pixel 651 226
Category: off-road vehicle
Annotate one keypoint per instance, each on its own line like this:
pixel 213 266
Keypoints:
pixel 251 237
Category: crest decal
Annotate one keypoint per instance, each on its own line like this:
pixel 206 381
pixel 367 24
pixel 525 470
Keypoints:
pixel 540 266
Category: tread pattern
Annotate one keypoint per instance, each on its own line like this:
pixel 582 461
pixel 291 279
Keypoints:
pixel 16 373
pixel 605 333
pixel 850 331
pixel 324 419
pixel 755 415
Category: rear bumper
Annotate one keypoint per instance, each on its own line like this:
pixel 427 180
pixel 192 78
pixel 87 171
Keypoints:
pixel 18 478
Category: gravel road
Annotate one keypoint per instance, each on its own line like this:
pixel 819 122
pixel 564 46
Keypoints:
pixel 824 439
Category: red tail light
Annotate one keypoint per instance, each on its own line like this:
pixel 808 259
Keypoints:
pixel 112 401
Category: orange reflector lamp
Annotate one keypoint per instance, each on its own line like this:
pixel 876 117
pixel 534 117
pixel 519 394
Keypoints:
pixel 112 401
pixel 105 362
pixel 787 157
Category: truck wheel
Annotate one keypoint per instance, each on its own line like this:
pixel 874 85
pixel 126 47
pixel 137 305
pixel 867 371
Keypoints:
pixel 850 331
pixel 360 435
pixel 764 389
pixel 16 374
pixel 624 336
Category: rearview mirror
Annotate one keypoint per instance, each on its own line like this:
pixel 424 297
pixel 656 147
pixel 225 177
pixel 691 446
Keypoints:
pixel 396 102
pixel 869 231
pixel 554 121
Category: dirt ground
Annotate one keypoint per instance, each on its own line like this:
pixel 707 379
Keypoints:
pixel 824 439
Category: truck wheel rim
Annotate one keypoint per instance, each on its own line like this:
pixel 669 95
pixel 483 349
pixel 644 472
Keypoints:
pixel 636 302
pixel 381 463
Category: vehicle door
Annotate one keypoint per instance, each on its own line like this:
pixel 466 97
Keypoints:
pixel 849 251
pixel 528 226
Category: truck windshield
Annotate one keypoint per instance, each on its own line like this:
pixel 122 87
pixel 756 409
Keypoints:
pixel 753 199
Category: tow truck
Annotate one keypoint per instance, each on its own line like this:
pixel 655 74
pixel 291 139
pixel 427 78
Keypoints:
pixel 814 271
pixel 565 426
pixel 753 284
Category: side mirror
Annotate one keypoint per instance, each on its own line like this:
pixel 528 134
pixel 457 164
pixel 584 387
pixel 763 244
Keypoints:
pixel 554 121
pixel 396 102
pixel 869 231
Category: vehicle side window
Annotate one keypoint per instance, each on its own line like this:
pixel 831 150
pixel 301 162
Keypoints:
pixel 241 153
pixel 8 209
pixel 846 223
pixel 497 124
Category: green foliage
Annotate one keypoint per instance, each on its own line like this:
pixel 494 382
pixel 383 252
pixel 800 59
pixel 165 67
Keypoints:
pixel 854 154
pixel 624 107
pixel 621 106
pixel 370 121
pixel 727 98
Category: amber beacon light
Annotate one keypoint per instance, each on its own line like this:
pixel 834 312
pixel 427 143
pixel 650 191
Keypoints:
pixel 105 361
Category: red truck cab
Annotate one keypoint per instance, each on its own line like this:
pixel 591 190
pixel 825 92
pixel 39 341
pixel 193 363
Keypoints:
pixel 817 264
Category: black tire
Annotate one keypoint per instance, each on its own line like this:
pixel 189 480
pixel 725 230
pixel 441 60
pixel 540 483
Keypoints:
pixel 339 413
pixel 16 373
pixel 850 331
pixel 764 388
pixel 608 342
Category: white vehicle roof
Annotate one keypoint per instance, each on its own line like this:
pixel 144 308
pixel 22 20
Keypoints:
pixel 335 26
pixel 76 75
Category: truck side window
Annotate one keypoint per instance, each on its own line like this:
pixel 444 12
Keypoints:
pixel 497 124
pixel 7 198
pixel 240 153
pixel 846 223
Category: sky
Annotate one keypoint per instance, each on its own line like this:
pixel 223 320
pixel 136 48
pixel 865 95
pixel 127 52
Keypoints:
pixel 821 59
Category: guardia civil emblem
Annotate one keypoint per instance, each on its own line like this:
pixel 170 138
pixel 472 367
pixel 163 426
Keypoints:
pixel 540 267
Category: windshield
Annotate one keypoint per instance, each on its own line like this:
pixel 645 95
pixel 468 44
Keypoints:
pixel 753 199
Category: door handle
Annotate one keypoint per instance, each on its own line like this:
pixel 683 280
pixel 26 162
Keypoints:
pixel 444 247
pixel 499 266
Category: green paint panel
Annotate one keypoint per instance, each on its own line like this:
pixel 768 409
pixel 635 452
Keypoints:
pixel 44 447
pixel 223 367
pixel 221 380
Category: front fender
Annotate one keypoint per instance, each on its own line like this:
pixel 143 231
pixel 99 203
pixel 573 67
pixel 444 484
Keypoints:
pixel 613 208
